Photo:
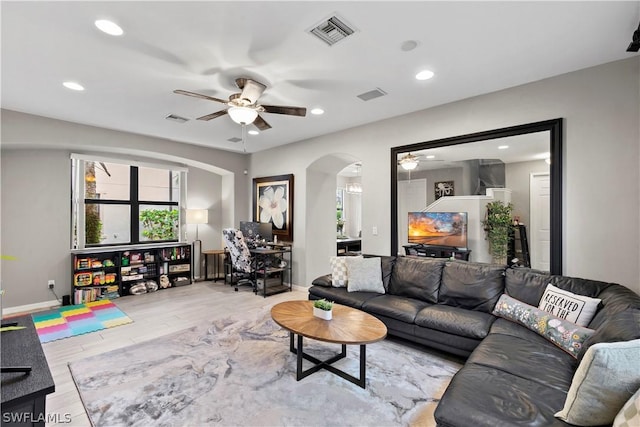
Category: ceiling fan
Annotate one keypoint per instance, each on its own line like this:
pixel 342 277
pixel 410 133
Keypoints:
pixel 410 161
pixel 243 107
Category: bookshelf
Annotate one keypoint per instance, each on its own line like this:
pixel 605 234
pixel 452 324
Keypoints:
pixel 107 273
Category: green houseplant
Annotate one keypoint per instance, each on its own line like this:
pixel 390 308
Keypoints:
pixel 497 226
pixel 323 309
pixel 159 224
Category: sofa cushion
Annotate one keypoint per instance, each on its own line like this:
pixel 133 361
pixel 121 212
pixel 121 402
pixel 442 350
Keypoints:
pixel 575 308
pixel 365 275
pixel 341 296
pixel 566 335
pixel 454 320
pixel 528 356
pixel 481 396
pixel 417 278
pixel 622 326
pixel 525 284
pixel 395 307
pixel 607 377
pixel 615 299
pixel 322 281
pixel 473 286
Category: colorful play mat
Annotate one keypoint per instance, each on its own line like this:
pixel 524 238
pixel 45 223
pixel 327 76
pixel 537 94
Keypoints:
pixel 71 320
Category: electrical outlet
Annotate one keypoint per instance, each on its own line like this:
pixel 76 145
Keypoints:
pixel 51 284
pixel 374 230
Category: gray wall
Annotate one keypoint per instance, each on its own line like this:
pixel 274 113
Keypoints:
pixel 600 106
pixel 36 199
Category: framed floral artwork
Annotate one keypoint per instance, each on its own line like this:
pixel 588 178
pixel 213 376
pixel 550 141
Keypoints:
pixel 444 188
pixel 273 203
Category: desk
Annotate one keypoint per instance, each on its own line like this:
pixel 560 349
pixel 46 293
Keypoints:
pixel 216 263
pixel 24 395
pixel 344 246
pixel 262 272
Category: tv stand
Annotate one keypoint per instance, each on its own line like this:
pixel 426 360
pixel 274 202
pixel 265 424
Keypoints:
pixel 434 251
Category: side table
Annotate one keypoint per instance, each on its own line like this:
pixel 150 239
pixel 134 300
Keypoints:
pixel 215 253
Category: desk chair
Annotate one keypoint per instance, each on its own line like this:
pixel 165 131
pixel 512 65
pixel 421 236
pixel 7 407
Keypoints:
pixel 241 262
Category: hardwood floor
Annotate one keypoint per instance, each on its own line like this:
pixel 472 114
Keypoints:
pixel 153 315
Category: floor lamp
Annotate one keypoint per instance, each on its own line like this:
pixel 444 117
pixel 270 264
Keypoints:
pixel 197 216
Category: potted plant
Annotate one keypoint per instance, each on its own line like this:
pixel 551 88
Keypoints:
pixel 497 226
pixel 323 309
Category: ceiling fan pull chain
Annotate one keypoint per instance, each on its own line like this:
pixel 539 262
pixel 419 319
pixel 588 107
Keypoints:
pixel 244 137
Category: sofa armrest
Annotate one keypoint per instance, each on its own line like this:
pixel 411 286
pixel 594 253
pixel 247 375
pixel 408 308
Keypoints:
pixel 322 281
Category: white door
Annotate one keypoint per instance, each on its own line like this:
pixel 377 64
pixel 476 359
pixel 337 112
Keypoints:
pixel 412 197
pixel 540 218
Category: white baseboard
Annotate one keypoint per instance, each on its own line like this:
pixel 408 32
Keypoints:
pixel 30 307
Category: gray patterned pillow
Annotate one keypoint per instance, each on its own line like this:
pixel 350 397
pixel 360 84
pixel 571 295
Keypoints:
pixel 339 273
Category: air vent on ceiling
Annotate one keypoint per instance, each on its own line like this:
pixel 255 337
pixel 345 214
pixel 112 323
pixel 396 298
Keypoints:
pixel 372 94
pixel 177 119
pixel 332 30
pixel 235 139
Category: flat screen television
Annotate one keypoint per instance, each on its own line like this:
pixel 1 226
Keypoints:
pixel 438 228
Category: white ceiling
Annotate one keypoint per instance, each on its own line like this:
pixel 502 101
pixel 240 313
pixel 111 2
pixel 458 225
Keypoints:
pixel 473 48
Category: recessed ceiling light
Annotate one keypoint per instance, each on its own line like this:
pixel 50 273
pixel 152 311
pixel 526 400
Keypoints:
pixel 109 27
pixel 317 111
pixel 431 156
pixel 408 45
pixel 503 147
pixel 253 132
pixel 425 75
pixel 73 85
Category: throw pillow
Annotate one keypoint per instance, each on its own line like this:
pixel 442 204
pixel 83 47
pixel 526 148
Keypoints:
pixel 365 274
pixel 629 415
pixel 566 335
pixel 605 379
pixel 339 274
pixel 575 308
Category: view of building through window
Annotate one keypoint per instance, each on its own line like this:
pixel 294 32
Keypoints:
pixel 129 204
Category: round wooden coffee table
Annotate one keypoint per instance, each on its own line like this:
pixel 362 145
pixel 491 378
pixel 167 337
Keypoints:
pixel 349 326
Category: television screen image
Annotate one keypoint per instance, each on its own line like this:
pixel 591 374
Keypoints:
pixel 438 228
pixel 252 230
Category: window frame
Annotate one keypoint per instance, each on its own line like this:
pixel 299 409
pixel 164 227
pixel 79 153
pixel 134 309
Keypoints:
pixel 79 201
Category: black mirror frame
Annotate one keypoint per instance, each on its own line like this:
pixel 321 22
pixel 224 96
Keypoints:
pixel 555 128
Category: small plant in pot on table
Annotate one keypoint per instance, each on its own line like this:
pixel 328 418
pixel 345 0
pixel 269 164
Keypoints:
pixel 323 309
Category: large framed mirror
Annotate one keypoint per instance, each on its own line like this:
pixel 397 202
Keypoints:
pixel 519 164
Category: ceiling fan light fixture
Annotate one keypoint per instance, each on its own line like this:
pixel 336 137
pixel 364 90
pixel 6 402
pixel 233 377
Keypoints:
pixel 242 115
pixel 409 162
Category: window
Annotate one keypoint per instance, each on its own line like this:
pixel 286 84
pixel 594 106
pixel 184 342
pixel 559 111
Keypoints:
pixel 118 204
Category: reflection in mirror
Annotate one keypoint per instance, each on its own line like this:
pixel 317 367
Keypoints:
pixel 456 179
pixel 348 209
pixel 462 174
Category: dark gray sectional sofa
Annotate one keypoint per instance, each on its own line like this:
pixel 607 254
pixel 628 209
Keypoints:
pixel 512 376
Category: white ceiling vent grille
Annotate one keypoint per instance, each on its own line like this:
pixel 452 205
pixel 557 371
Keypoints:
pixel 332 30
pixel 177 119
pixel 372 94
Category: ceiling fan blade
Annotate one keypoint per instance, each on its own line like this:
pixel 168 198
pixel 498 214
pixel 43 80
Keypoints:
pixel 261 124
pixel 292 111
pixel 198 95
pixel 213 115
pixel 252 90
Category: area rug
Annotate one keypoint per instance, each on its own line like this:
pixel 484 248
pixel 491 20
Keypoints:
pixel 239 372
pixel 68 321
